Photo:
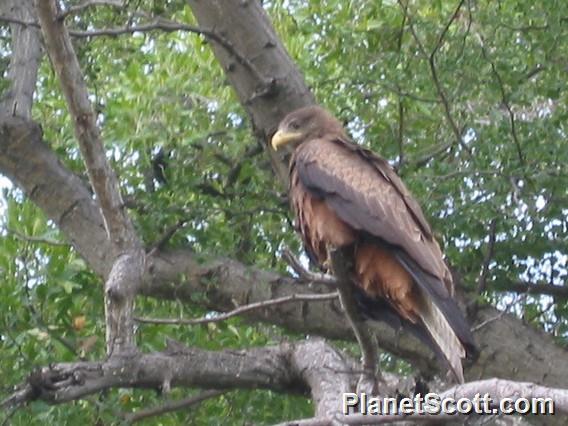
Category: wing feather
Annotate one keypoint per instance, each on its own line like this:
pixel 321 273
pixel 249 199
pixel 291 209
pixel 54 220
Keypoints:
pixel 367 194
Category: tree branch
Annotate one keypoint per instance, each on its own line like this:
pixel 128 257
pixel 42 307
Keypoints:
pixel 78 8
pixel 102 177
pixel 504 100
pixel 304 273
pixel 288 367
pixel 170 406
pixel 242 309
pixel 482 280
pixel 431 58
pixel 24 62
pixel 560 291
pixel 499 389
pixel 128 264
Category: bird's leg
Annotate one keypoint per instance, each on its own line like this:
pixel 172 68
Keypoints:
pixel 341 265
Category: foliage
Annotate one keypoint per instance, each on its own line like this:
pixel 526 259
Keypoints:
pixel 474 115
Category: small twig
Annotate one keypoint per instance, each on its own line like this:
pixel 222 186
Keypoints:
pixel 158 245
pixel 423 160
pixel 431 58
pixel 560 291
pixel 76 9
pixel 488 321
pixel 169 26
pixel 482 281
pixel 32 239
pixel 504 101
pixel 242 309
pixel 303 273
pixel 172 406
pixel 401 158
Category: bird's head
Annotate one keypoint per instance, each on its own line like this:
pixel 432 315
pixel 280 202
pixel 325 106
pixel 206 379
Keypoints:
pixel 304 124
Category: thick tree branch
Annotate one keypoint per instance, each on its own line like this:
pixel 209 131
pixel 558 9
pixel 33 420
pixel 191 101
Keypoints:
pixel 289 367
pixel 248 27
pixel 499 389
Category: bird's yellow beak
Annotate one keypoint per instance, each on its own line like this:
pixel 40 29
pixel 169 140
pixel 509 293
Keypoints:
pixel 281 138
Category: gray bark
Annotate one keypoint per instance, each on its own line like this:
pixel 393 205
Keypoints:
pixel 26 55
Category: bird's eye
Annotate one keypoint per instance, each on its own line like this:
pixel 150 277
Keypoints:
pixel 295 125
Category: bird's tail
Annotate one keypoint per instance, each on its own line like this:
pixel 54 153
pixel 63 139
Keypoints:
pixel 443 335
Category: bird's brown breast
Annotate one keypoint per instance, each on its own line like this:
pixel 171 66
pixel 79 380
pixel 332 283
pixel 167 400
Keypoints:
pixel 377 271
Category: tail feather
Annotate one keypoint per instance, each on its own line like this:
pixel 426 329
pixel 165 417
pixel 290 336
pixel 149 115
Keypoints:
pixel 443 335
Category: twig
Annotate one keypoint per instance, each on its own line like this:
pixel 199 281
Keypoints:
pixel 401 158
pixel 434 72
pixel 74 10
pixel 422 161
pixel 482 281
pixel 169 26
pixel 158 245
pixel 505 101
pixel 242 309
pixel 303 273
pixel 172 406
pixel 488 321
pixel 560 291
pixel 32 239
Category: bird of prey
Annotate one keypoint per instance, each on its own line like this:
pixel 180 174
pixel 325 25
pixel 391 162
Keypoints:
pixel 346 197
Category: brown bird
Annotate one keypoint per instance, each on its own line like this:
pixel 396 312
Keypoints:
pixel 345 196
